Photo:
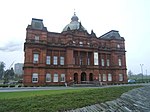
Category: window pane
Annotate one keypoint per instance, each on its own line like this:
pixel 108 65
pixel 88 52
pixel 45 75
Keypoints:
pixel 104 77
pixel 34 77
pixel 107 62
pixel 48 77
pixel 109 77
pixel 55 60
pixel 95 58
pixel 36 38
pixel 61 60
pixel 119 61
pixel 35 58
pixel 48 60
pixel 55 77
pixel 62 78
pixel 120 77
pixel 100 77
pixel 102 62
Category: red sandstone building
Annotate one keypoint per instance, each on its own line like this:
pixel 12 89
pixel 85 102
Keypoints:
pixel 74 55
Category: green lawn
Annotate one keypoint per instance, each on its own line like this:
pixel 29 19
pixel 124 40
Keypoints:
pixel 57 100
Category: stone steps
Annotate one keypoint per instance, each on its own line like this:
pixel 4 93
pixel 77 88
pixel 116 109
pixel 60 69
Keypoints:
pixel 137 100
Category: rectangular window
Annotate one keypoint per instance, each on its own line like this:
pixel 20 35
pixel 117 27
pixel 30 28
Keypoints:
pixel 55 60
pixel 48 60
pixel 102 62
pixel 55 78
pixel 35 58
pixel 62 78
pixel 119 62
pixel 108 62
pixel 95 58
pixel 36 38
pixel 88 61
pixel 104 77
pixel 34 77
pixel 80 60
pixel 48 77
pixel 61 60
pixel 120 77
pixel 109 77
pixel 81 43
pixel 100 79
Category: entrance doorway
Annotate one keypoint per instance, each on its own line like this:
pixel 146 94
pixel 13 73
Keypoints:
pixel 90 77
pixel 83 76
pixel 75 78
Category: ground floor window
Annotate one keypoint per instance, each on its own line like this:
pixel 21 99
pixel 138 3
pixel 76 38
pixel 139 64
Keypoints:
pixel 62 78
pixel 34 77
pixel 109 77
pixel 120 77
pixel 104 77
pixel 48 77
pixel 100 77
pixel 55 78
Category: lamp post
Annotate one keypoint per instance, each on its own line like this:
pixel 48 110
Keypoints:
pixel 142 70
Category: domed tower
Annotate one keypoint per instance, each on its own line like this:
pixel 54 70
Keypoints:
pixel 74 24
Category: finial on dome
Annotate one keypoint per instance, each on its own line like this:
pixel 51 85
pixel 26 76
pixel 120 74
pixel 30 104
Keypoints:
pixel 74 17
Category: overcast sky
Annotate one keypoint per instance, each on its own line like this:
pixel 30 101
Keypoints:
pixel 130 17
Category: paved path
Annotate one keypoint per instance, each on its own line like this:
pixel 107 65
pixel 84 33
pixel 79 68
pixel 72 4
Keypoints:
pixel 15 89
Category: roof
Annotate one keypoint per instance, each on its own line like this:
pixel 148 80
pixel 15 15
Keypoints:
pixel 113 34
pixel 74 24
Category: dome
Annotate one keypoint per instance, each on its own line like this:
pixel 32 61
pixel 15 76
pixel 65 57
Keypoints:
pixel 74 24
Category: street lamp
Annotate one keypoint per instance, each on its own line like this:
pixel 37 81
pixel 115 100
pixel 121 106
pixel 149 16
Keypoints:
pixel 142 70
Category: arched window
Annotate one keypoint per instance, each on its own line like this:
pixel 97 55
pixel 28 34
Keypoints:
pixel 48 77
pixel 55 78
pixel 34 77
pixel 62 78
pixel 109 77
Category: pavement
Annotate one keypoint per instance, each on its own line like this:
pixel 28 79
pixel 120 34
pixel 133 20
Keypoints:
pixel 19 89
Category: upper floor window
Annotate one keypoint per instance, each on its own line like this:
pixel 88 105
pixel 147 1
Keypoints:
pixel 109 77
pixel 36 38
pixel 35 58
pixel 102 62
pixel 61 60
pixel 88 61
pixel 48 60
pixel 108 62
pixel 55 78
pixel 55 60
pixel 34 77
pixel 62 78
pixel 81 43
pixel 120 77
pixel 119 62
pixel 95 58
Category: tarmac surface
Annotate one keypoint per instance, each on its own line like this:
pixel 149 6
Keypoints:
pixel 19 89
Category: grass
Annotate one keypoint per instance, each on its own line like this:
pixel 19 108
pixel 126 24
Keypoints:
pixel 57 100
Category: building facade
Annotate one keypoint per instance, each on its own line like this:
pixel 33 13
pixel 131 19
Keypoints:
pixel 74 55
pixel 18 69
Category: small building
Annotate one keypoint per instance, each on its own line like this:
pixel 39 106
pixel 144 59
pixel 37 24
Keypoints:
pixel 18 69
pixel 74 55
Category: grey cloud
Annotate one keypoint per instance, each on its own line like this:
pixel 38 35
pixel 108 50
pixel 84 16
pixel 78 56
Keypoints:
pixel 11 46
